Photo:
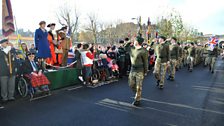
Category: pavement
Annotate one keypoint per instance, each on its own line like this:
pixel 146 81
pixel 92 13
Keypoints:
pixel 193 99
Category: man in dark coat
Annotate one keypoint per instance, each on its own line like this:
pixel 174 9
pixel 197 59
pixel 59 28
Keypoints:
pixel 7 71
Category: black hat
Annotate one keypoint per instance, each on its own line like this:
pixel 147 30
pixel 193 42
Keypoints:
pixel 4 40
pixel 140 40
pixel 30 53
pixel 51 24
pixel 126 39
pixel 174 38
pixel 121 41
pixel 163 37
pixel 42 22
pixel 64 27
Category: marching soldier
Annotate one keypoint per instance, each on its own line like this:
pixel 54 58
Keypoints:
pixel 162 52
pixel 174 55
pixel 185 54
pixel 180 59
pixel 139 67
pixel 212 56
pixel 205 55
pixel 191 57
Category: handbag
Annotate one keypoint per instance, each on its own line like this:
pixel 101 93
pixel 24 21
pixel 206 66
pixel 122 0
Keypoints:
pixel 58 51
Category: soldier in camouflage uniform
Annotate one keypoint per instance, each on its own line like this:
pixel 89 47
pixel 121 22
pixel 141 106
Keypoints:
pixel 185 54
pixel 180 60
pixel 191 57
pixel 205 55
pixel 162 52
pixel 212 56
pixel 139 67
pixel 174 56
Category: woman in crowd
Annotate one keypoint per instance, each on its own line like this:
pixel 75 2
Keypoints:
pixel 24 49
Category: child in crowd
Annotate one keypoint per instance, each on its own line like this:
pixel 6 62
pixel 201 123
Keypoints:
pixel 115 69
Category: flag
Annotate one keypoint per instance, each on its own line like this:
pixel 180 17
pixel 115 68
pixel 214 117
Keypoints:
pixel 149 29
pixel 212 42
pixel 7 18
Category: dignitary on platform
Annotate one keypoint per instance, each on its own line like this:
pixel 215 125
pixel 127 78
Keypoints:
pixel 53 44
pixel 42 44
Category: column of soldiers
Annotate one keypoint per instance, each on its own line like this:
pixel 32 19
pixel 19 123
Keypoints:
pixel 172 56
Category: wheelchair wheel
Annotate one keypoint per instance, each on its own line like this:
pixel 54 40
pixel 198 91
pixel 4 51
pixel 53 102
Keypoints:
pixel 96 74
pixel 22 87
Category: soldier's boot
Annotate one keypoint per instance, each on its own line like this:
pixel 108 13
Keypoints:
pixel 136 103
pixel 161 87
pixel 168 78
pixel 157 83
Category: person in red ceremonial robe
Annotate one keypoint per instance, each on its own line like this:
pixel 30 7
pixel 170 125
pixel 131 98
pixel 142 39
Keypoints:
pixel 52 43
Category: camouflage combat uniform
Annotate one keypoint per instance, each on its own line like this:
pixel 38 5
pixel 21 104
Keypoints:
pixel 212 56
pixel 180 59
pixel 139 67
pixel 191 58
pixel 162 52
pixel 174 55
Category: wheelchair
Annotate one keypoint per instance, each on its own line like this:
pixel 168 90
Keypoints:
pixel 25 88
pixel 99 71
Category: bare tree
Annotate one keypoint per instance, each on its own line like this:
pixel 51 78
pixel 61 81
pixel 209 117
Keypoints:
pixel 70 17
pixel 93 26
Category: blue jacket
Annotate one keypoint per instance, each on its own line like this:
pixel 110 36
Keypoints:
pixel 42 44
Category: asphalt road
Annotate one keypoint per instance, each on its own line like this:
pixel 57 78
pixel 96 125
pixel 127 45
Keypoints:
pixel 193 99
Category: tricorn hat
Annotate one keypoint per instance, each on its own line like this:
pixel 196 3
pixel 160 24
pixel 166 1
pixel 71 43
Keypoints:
pixel 51 24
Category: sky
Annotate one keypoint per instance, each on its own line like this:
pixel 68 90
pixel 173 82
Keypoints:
pixel 205 15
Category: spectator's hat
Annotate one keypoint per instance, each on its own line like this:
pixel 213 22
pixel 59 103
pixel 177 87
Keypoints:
pixel 4 40
pixel 30 53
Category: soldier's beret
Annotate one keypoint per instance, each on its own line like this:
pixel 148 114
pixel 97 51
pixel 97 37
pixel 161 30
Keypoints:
pixel 121 41
pixel 140 39
pixel 163 37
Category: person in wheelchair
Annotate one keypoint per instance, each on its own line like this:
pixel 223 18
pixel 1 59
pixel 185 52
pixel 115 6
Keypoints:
pixel 33 72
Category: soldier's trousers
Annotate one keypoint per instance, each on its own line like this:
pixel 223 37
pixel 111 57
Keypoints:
pixel 7 87
pixel 190 62
pixel 135 83
pixel 185 60
pixel 160 71
pixel 206 60
pixel 211 62
pixel 180 62
pixel 172 68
